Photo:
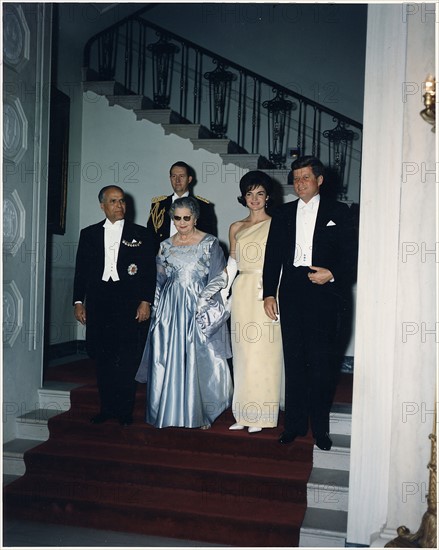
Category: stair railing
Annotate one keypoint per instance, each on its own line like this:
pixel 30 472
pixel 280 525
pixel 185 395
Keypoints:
pixel 231 101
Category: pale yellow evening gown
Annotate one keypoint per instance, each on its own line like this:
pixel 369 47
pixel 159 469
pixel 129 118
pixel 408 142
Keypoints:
pixel 256 340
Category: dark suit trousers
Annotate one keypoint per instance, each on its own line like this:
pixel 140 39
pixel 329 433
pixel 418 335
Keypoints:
pixel 309 318
pixel 119 341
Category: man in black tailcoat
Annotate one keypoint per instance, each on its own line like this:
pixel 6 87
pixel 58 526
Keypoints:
pixel 159 223
pixel 113 288
pixel 312 250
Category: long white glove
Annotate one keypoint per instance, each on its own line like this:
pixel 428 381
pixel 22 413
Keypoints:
pixel 232 270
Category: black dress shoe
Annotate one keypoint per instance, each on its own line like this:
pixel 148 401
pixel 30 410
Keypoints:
pixel 324 442
pixel 126 420
pixel 289 437
pixel 100 418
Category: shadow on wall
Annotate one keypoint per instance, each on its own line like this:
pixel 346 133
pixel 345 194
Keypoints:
pixel 130 214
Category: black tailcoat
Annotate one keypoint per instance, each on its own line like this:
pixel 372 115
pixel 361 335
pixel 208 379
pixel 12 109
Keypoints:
pixel 310 313
pixel 114 337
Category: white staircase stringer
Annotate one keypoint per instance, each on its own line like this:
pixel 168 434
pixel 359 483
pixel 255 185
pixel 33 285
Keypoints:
pixel 32 428
pixel 325 521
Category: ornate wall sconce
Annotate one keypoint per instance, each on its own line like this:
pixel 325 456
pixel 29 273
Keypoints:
pixel 220 86
pixel 429 113
pixel 163 53
pixel 279 110
pixel 340 140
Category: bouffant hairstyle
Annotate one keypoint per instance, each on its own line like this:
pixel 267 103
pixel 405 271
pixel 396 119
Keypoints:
pixel 253 179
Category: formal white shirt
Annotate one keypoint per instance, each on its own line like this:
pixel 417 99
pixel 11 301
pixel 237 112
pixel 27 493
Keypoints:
pixel 173 229
pixel 305 225
pixel 112 240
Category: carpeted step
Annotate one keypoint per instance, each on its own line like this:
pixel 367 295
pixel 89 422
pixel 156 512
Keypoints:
pixel 74 425
pixel 225 519
pixel 266 479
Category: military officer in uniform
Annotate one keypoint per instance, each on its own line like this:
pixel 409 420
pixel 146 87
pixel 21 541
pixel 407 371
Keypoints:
pixel 159 223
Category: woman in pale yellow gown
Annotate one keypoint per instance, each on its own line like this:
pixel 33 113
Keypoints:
pixel 256 340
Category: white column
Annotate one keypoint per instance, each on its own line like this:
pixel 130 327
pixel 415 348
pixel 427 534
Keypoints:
pixel 395 352
pixel 415 353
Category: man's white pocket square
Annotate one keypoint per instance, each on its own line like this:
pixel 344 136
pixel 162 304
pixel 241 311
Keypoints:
pixel 330 223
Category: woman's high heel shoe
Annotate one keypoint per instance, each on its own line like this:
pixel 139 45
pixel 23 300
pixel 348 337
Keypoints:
pixel 236 426
pixel 253 430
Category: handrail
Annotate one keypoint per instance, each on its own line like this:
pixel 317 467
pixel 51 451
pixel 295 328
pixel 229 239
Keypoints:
pixel 122 53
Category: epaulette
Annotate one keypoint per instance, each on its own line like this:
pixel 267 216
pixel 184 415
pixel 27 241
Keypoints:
pixel 202 199
pixel 158 199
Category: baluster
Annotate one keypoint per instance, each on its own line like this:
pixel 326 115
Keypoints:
pixel 299 130
pixel 242 109
pixel 196 76
pixel 182 79
pixel 239 114
pixel 115 41
pixel 139 60
pixel 256 102
pixel 244 113
pixel 258 116
pixel 128 47
pixel 126 56
pixel 319 132
pixel 144 60
pixel 184 83
pixel 130 56
pixel 200 89
pixel 313 148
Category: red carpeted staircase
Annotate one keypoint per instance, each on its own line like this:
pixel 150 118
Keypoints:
pixel 219 486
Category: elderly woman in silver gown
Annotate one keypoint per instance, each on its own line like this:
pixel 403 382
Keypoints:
pixel 185 358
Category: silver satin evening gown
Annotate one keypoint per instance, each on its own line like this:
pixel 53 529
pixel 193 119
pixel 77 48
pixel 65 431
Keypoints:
pixel 184 363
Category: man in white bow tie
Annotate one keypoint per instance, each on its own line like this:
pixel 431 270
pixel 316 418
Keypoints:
pixel 310 262
pixel 114 285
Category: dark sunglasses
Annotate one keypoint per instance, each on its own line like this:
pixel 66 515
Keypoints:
pixel 185 218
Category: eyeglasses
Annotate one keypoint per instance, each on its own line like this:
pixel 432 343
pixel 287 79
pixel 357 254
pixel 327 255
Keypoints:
pixel 185 218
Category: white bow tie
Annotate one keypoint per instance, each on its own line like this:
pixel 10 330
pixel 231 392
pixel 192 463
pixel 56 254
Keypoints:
pixel 113 226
